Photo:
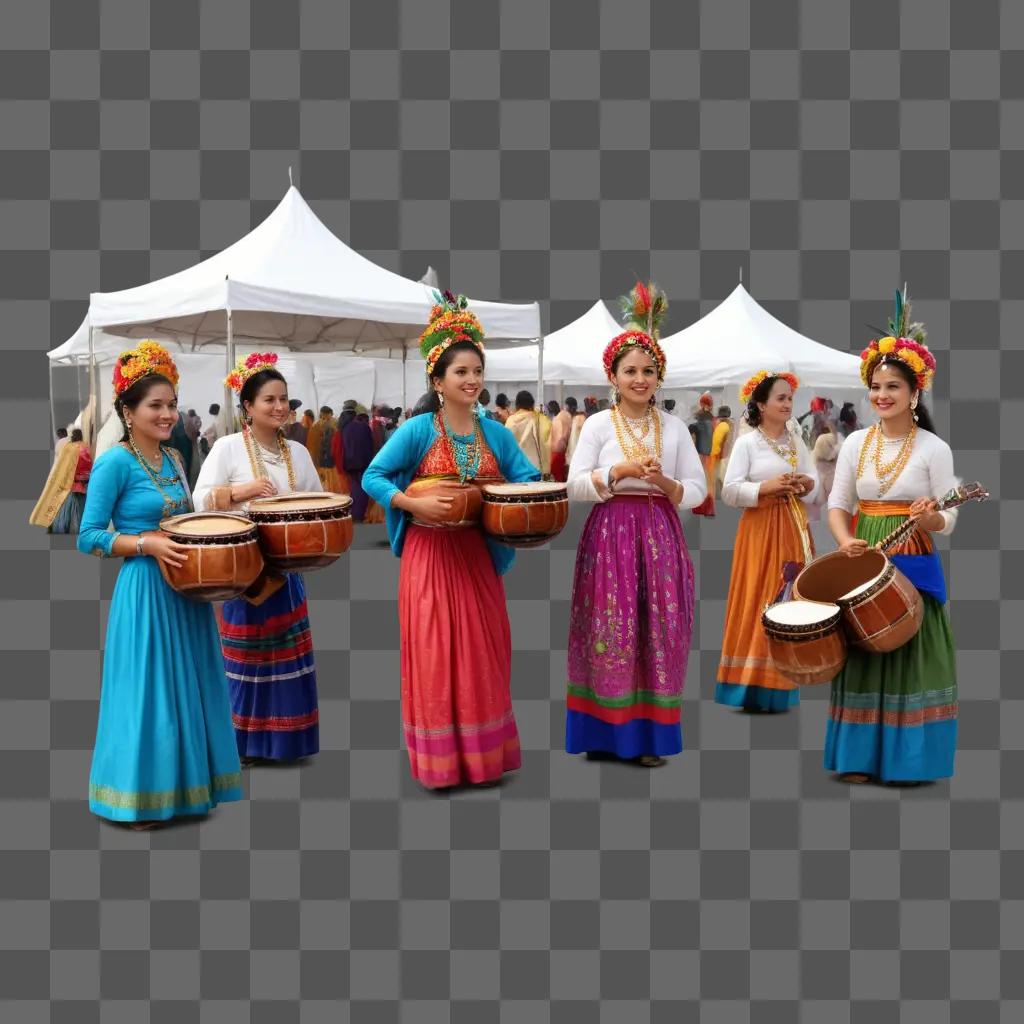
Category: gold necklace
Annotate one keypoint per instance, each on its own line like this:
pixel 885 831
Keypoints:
pixel 255 452
pixel 785 452
pixel 171 505
pixel 636 448
pixel 890 470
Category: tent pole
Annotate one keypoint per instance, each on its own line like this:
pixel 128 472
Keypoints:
pixel 405 355
pixel 540 372
pixel 229 348
pixel 93 397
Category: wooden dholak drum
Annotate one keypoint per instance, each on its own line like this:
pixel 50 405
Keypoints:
pixel 304 530
pixel 525 515
pixel 881 608
pixel 224 559
pixel 805 641
pixel 465 509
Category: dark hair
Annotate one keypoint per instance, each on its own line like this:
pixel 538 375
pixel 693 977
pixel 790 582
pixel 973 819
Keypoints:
pixel 326 410
pixel 485 397
pixel 132 397
pixel 571 404
pixel 425 403
pixel 524 400
pixel 848 414
pixel 192 412
pixel 724 412
pixel 554 408
pixel 502 400
pixel 294 404
pixel 669 404
pixel 625 351
pixel 254 384
pixel 76 434
pixel 761 393
pixel 590 406
pixel 62 431
pixel 921 415
pixel 309 413
pixel 214 409
pixel 445 360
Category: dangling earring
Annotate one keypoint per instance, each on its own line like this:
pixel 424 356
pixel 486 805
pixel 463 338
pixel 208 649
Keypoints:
pixel 913 407
pixel 616 397
pixel 440 399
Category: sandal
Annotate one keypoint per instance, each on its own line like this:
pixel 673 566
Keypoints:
pixel 854 778
pixel 650 761
pixel 143 826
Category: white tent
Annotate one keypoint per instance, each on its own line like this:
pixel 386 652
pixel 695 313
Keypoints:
pixel 291 282
pixel 739 337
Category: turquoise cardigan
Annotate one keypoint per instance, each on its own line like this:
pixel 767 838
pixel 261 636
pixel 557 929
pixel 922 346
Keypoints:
pixel 394 466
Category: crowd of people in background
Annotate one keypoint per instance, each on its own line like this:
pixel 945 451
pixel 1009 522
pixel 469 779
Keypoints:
pixel 342 447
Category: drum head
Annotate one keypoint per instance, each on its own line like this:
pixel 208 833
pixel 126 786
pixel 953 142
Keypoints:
pixel 300 501
pixel 800 613
pixel 527 490
pixel 850 595
pixel 206 524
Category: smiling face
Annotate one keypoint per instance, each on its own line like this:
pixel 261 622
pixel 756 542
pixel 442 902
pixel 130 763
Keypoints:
pixel 269 408
pixel 635 376
pixel 889 392
pixel 463 379
pixel 778 407
pixel 153 417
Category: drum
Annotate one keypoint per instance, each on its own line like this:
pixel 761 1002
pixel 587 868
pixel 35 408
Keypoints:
pixel 805 641
pixel 882 609
pixel 224 560
pixel 304 530
pixel 525 515
pixel 465 509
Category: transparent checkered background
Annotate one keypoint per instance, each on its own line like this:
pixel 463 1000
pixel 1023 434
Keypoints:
pixel 528 151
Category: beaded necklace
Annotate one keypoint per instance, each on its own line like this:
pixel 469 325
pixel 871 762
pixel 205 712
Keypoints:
pixel 159 481
pixel 786 452
pixel 466 455
pixel 883 470
pixel 256 462
pixel 634 447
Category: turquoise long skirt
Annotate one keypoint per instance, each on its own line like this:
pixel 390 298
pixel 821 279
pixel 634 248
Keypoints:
pixel 165 745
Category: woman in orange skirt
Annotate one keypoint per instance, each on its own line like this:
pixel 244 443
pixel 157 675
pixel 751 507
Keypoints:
pixel 456 644
pixel 771 476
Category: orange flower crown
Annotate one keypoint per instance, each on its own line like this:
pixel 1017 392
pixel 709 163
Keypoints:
pixel 450 322
pixel 245 368
pixel 146 359
pixel 748 389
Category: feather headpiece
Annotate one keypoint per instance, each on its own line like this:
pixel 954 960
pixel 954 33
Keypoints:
pixel 645 308
pixel 450 322
pixel 904 344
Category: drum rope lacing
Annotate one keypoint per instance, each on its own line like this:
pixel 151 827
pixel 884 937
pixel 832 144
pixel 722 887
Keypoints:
pixel 256 462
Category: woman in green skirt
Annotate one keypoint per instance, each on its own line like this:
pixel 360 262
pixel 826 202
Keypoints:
pixel 892 717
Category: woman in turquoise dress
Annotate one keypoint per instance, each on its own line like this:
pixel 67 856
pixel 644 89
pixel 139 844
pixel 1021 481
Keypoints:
pixel 165 745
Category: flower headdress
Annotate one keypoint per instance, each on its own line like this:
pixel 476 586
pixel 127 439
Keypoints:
pixel 450 322
pixel 904 344
pixel 748 389
pixel 245 368
pixel 643 310
pixel 145 359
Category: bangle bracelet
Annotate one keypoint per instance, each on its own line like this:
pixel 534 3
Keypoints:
pixel 138 546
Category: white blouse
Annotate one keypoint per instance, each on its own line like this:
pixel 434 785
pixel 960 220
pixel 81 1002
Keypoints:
pixel 927 474
pixel 753 461
pixel 598 448
pixel 228 464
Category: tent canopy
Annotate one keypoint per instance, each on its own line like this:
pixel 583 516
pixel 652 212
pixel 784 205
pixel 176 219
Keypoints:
pixel 739 337
pixel 291 282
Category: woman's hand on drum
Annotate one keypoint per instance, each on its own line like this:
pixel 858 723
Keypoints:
pixel 161 547
pixel 434 507
pixel 853 547
pixel 262 488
